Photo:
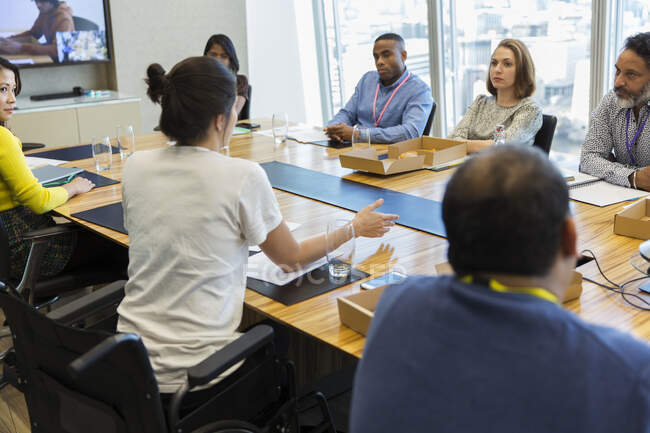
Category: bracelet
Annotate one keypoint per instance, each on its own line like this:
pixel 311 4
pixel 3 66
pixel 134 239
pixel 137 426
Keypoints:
pixel 634 180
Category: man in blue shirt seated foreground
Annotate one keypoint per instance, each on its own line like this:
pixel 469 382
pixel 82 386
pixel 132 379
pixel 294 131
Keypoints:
pixel 490 349
pixel 392 102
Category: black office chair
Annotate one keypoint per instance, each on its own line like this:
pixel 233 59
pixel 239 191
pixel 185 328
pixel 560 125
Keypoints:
pixel 32 146
pixel 544 137
pixel 36 290
pixel 245 112
pixel 84 24
pixel 80 380
pixel 427 127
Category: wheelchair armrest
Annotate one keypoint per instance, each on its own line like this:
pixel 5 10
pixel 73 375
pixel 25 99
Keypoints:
pixel 89 304
pixel 220 361
pixel 50 231
pixel 90 359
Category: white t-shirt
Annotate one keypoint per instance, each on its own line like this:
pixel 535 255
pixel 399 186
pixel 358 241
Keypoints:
pixel 191 214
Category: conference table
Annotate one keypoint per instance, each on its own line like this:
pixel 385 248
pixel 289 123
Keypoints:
pixel 410 250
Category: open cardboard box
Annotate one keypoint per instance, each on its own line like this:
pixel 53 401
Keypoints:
pixel 634 220
pixel 431 152
pixel 356 311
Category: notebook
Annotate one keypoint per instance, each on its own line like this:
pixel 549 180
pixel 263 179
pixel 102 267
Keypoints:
pixel 50 173
pixel 593 190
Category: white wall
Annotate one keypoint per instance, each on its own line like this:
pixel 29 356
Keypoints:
pixel 274 65
pixel 167 31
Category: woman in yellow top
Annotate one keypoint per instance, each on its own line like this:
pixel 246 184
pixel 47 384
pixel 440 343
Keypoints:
pixel 23 201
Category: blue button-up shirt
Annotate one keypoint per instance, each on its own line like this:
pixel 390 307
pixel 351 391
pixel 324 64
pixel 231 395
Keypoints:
pixel 404 118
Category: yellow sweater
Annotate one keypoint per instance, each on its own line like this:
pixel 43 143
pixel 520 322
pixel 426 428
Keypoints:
pixel 18 186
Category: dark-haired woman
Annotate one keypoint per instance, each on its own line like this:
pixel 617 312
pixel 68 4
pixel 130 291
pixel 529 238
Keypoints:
pixel 23 201
pixel 221 48
pixel 511 84
pixel 191 223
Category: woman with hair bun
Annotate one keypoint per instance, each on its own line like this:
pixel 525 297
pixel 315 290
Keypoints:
pixel 511 84
pixel 192 213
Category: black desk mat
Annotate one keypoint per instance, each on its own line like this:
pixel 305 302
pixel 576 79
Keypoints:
pixel 74 153
pixel 106 216
pixel 97 179
pixel 312 284
pixel 332 143
pixel 414 212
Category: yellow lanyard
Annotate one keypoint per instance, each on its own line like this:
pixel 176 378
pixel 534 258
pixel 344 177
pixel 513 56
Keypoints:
pixel 537 292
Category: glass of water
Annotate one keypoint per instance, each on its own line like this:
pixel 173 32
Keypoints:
pixel 360 137
pixel 340 245
pixel 280 125
pixel 125 141
pixel 102 153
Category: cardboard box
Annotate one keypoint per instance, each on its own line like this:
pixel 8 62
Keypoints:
pixel 634 220
pixel 368 159
pixel 356 311
pixel 572 292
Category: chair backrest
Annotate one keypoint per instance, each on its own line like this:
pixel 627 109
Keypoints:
pixel 84 24
pixel 245 113
pixel 119 394
pixel 544 137
pixel 427 127
pixel 4 253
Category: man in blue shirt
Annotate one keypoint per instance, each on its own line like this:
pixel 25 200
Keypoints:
pixel 393 102
pixel 490 349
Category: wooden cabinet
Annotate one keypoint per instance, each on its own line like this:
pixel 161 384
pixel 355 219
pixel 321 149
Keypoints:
pixel 73 120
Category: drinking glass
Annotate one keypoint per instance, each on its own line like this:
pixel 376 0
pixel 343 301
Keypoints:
pixel 280 125
pixel 340 255
pixel 125 142
pixel 360 137
pixel 102 153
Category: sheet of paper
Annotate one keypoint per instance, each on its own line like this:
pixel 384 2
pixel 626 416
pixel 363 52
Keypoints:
pixel 292 227
pixel 307 133
pixel 262 268
pixel 35 161
pixel 589 189
pixel 264 132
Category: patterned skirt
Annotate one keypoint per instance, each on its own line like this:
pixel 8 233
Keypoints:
pixel 20 220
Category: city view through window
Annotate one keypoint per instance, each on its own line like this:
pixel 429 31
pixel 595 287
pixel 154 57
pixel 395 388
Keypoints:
pixel 558 34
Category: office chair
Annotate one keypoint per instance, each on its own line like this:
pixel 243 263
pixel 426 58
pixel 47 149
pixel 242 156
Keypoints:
pixel 544 137
pixel 427 127
pixel 32 146
pixel 245 113
pixel 80 380
pixel 84 24
pixel 35 290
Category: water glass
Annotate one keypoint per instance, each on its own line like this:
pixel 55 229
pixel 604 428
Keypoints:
pixel 125 142
pixel 340 245
pixel 280 125
pixel 102 153
pixel 360 137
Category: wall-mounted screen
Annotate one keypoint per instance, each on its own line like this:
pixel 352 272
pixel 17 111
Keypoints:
pixel 52 32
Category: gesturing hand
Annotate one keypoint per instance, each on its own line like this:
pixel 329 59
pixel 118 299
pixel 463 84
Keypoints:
pixel 371 224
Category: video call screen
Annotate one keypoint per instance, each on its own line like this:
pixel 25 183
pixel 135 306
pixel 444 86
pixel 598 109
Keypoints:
pixel 45 33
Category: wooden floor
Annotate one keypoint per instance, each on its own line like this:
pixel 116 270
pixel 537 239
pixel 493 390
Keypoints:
pixel 13 411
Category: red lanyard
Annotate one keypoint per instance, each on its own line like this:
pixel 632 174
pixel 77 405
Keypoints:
pixel 374 104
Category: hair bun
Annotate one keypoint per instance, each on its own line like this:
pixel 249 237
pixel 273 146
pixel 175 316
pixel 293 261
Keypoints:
pixel 157 82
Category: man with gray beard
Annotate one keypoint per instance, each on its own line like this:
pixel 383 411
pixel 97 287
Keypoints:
pixel 617 145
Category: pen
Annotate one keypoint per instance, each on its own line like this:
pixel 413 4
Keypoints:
pixel 60 182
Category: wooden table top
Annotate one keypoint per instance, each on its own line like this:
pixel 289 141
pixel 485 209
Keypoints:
pixel 413 251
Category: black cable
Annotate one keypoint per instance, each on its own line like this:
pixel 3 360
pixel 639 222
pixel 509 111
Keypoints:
pixel 618 288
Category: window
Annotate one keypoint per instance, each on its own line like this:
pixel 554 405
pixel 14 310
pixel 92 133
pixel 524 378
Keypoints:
pixel 628 17
pixel 350 31
pixel 557 34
